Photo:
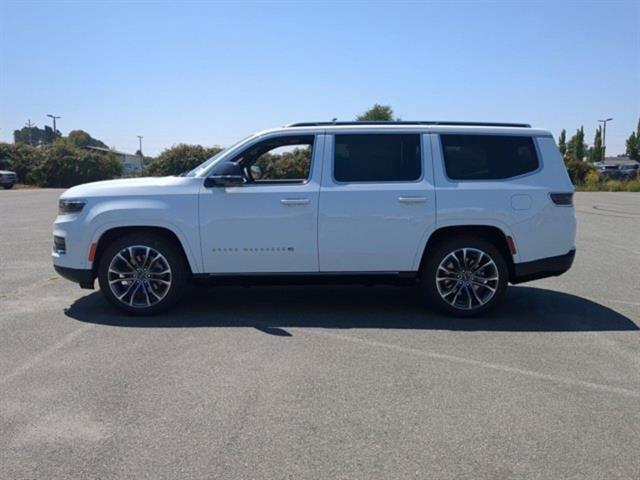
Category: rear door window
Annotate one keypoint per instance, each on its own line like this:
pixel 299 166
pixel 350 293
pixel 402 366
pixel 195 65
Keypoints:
pixel 377 158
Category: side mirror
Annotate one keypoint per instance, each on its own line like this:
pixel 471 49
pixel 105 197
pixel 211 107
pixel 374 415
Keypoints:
pixel 225 175
pixel 224 181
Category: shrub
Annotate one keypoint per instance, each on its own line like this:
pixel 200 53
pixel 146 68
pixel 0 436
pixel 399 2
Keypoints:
pixel 19 158
pixel 293 164
pixel 621 186
pixel 592 179
pixel 577 169
pixel 179 159
pixel 63 165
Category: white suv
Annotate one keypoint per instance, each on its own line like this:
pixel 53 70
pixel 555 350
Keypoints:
pixel 460 209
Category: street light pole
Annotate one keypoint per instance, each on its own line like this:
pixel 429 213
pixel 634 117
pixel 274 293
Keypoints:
pixel 54 122
pixel 604 135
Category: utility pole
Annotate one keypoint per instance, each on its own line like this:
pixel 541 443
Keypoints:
pixel 140 150
pixel 604 135
pixel 54 123
pixel 30 126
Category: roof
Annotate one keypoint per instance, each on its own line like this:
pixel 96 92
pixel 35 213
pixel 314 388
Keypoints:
pixel 425 127
pixel 111 150
pixel 620 160
pixel 411 122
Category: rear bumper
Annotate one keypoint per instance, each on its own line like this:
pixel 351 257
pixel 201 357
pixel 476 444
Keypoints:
pixel 83 277
pixel 545 267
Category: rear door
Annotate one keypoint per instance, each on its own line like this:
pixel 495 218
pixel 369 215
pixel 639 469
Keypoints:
pixel 377 201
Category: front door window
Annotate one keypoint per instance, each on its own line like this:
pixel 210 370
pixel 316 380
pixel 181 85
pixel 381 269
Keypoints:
pixel 278 160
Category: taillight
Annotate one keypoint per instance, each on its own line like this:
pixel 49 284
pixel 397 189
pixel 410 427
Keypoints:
pixel 565 199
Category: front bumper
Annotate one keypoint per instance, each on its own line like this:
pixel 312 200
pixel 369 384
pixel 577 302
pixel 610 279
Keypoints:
pixel 83 277
pixel 545 267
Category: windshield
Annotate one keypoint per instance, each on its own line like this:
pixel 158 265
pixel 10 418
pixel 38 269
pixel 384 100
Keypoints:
pixel 207 163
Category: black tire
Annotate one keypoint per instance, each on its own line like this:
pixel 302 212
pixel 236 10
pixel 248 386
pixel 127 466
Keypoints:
pixel 134 303
pixel 8 187
pixel 441 251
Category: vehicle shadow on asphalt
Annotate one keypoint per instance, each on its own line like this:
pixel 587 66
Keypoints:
pixel 272 309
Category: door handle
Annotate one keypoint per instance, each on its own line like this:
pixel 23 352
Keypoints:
pixel 412 199
pixel 294 201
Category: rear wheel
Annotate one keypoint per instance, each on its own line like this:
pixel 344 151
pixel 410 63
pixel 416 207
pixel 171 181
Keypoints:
pixel 465 276
pixel 142 274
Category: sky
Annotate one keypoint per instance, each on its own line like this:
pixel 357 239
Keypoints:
pixel 214 72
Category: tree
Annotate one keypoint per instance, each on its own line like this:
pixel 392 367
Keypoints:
pixel 595 152
pixel 180 158
pixel 293 165
pixel 82 139
pixel 576 147
pixel 577 169
pixel 35 136
pixel 633 144
pixel 574 156
pixel 377 113
pixel 58 165
pixel 562 142
pixel 20 158
pixel 64 165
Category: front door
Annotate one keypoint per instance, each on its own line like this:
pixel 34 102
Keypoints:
pixel 268 224
pixel 377 201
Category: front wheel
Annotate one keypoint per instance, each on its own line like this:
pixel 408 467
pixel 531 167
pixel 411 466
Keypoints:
pixel 465 276
pixel 8 186
pixel 142 274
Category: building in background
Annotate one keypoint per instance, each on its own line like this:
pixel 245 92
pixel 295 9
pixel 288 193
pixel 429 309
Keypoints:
pixel 131 163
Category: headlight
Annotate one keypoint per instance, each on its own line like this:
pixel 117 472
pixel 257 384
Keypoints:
pixel 70 206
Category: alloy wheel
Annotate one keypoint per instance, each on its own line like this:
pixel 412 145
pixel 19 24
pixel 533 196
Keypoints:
pixel 467 278
pixel 139 276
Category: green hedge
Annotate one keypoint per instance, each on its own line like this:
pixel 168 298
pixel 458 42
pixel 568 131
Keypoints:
pixel 59 165
pixel 180 159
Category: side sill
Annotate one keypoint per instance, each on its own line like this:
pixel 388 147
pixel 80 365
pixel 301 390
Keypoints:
pixel 543 268
pixel 311 278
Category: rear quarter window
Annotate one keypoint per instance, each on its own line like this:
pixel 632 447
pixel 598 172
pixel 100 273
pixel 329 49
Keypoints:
pixel 488 157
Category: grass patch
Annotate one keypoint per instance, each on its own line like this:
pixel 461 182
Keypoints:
pixel 610 186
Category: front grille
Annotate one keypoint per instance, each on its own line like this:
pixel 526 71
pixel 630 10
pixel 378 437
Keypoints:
pixel 8 177
pixel 59 245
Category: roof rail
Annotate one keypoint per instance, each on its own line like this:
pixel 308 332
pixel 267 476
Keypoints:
pixel 405 122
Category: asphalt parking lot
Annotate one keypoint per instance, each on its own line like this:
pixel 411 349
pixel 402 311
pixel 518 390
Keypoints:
pixel 322 382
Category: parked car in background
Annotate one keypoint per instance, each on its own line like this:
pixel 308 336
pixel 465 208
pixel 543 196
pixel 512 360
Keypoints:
pixel 7 179
pixel 459 209
pixel 613 171
pixel 608 172
pixel 630 172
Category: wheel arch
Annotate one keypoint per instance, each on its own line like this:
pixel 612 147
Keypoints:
pixel 491 233
pixel 107 236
